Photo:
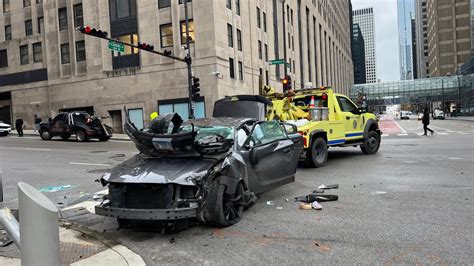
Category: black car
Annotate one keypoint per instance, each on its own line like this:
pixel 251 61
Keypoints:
pixel 209 169
pixel 80 124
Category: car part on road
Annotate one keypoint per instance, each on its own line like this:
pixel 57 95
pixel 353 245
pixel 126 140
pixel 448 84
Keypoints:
pixel 317 197
pixel 315 205
pixel 305 206
pixel 335 186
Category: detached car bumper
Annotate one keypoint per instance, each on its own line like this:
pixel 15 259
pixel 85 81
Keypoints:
pixel 146 214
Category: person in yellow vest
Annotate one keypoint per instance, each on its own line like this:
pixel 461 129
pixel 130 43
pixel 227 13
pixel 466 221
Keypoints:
pixel 153 116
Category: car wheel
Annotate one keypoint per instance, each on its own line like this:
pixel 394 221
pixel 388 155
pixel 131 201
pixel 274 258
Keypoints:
pixel 224 209
pixel 104 138
pixel 81 136
pixel 371 144
pixel 317 155
pixel 66 136
pixel 45 135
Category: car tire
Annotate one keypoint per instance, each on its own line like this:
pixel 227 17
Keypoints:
pixel 317 154
pixel 104 138
pixel 45 135
pixel 371 144
pixel 81 136
pixel 222 209
pixel 66 136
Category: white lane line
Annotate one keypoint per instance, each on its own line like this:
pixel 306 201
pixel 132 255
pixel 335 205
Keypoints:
pixel 401 128
pixel 90 164
pixel 454 158
pixel 37 149
pixel 403 134
pixel 442 133
pixel 385 135
pixel 462 133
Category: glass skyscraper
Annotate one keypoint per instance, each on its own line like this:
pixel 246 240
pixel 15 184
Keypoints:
pixel 405 10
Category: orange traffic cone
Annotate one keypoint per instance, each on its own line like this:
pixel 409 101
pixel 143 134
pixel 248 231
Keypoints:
pixel 311 104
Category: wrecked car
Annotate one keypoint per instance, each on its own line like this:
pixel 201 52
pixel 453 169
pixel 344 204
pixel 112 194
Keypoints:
pixel 209 169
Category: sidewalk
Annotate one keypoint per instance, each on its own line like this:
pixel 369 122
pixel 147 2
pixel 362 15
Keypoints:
pixel 80 246
pixel 114 136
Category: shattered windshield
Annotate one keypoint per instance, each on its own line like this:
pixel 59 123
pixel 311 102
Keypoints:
pixel 210 131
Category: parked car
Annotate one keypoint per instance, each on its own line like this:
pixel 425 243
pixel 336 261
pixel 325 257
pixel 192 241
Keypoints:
pixel 209 169
pixel 405 114
pixel 80 124
pixel 5 129
pixel 438 114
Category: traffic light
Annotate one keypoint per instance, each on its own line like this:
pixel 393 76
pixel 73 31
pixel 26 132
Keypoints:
pixel 146 46
pixel 93 31
pixel 195 89
pixel 286 83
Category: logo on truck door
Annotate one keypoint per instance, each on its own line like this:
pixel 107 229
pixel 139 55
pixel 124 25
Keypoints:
pixel 355 124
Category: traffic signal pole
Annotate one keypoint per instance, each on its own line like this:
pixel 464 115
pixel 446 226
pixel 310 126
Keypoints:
pixel 188 61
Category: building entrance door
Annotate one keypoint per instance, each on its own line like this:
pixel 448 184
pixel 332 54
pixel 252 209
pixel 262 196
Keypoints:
pixel 116 117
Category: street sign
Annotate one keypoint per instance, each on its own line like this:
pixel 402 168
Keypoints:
pixel 277 62
pixel 116 46
pixel 288 65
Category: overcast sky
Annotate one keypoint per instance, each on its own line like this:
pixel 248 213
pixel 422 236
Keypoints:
pixel 386 36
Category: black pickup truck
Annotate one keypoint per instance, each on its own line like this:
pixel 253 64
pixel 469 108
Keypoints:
pixel 80 124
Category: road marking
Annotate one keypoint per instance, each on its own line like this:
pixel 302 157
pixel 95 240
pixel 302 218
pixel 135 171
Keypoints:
pixel 403 134
pixel 463 133
pixel 442 133
pixel 37 149
pixel 454 158
pixel 90 164
pixel 401 128
pixel 385 135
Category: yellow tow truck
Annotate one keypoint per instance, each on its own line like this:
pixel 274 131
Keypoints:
pixel 324 118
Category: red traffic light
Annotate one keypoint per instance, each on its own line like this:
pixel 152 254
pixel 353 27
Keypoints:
pixel 93 31
pixel 87 29
pixel 146 46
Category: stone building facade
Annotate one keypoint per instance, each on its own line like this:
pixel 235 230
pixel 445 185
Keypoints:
pixel 47 66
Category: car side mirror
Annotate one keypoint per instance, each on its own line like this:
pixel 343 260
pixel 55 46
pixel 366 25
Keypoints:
pixel 290 128
pixel 253 156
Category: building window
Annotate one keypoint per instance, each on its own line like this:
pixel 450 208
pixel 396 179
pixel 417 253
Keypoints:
pixel 24 58
pixel 231 68
pixel 78 18
pixel 80 51
pixel 258 17
pixel 267 77
pixel 129 38
pixel 182 1
pixel 241 71
pixel 180 106
pixel 28 28
pixel 39 1
pixel 264 22
pixel 259 49
pixel 266 52
pixel 237 7
pixel 6 6
pixel 8 32
pixel 164 3
pixel 40 25
pixel 120 9
pixel 166 35
pixel 26 3
pixel 191 31
pixel 62 13
pixel 65 53
pixel 230 36
pixel 37 52
pixel 3 58
pixel 228 4
pixel 292 17
pixel 239 40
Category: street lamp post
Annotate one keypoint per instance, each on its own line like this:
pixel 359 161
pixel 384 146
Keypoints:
pixel 284 35
pixel 189 63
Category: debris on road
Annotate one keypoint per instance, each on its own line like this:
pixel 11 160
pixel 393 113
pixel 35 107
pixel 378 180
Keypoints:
pixel 315 205
pixel 51 189
pixel 377 192
pixel 305 206
pixel 310 198
pixel 270 203
pixel 5 240
pixel 279 208
pixel 335 186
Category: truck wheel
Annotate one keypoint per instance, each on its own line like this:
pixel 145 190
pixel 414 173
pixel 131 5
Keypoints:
pixel 371 144
pixel 81 136
pixel 45 135
pixel 317 155
pixel 66 136
pixel 222 209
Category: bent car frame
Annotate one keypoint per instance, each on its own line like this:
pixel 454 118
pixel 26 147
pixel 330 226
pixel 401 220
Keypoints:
pixel 209 169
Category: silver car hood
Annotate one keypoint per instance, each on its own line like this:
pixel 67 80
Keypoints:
pixel 146 170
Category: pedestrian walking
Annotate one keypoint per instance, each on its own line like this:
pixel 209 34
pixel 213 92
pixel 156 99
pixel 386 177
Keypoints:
pixel 426 121
pixel 19 126
pixel 37 124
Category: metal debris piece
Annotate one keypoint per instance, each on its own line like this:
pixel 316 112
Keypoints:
pixel 270 203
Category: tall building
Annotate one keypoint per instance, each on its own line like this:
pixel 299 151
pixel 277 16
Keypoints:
pixel 47 66
pixel 365 19
pixel 358 55
pixel 405 10
pixel 421 20
pixel 449 36
pixel 414 65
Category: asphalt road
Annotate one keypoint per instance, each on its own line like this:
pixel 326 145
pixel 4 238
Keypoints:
pixel 410 203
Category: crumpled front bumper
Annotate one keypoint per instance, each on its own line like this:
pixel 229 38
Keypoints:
pixel 104 209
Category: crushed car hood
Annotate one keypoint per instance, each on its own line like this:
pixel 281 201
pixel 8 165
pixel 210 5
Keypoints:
pixel 147 170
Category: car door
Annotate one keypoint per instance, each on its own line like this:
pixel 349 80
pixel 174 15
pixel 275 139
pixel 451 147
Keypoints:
pixel 353 125
pixel 269 154
pixel 59 124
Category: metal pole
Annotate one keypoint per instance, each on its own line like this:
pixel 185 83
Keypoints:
pixel 284 36
pixel 39 227
pixel 10 224
pixel 189 62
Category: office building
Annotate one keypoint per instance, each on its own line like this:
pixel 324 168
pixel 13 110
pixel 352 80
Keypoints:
pixel 405 10
pixel 358 55
pixel 421 21
pixel 365 19
pixel 47 66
